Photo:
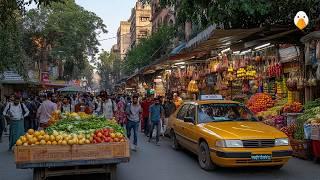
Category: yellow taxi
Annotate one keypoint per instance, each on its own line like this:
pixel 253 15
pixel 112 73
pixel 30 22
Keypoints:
pixel 227 134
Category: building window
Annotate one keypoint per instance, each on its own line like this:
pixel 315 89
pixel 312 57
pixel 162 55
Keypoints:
pixel 144 19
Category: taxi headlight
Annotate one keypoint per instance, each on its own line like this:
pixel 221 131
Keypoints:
pixel 229 143
pixel 281 142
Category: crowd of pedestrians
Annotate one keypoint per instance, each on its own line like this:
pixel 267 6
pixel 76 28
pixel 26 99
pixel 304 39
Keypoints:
pixel 148 115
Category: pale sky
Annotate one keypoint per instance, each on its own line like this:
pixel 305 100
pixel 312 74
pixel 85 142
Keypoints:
pixel 111 12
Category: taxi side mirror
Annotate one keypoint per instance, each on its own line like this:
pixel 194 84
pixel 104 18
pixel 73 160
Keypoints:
pixel 188 119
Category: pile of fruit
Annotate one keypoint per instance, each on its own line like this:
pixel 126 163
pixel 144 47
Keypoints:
pixel 294 107
pixel 289 130
pixel 72 130
pixel 260 102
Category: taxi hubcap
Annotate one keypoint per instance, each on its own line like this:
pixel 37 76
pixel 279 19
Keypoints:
pixel 203 155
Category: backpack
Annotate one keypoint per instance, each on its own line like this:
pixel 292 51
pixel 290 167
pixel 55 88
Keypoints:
pixel 22 108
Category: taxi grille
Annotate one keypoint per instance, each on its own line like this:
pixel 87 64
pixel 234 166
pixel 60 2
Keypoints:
pixel 264 143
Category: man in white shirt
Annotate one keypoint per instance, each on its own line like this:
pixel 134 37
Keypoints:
pixel 134 112
pixel 16 112
pixel 108 108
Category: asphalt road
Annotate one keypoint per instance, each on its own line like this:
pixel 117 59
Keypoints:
pixel 153 162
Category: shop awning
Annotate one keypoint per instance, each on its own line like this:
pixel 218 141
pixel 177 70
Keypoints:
pixel 310 36
pixel 178 49
pixel 224 38
pixel 71 89
pixel 202 36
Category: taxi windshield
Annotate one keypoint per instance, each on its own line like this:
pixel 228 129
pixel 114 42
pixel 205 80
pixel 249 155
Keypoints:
pixel 224 112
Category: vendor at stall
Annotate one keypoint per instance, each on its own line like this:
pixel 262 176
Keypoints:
pixel 177 100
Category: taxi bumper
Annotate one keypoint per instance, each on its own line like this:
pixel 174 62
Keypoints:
pixel 242 158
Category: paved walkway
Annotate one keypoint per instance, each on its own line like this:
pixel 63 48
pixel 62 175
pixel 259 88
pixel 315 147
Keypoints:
pixel 153 162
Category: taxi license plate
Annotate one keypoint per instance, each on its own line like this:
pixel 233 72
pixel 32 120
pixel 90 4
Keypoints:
pixel 261 157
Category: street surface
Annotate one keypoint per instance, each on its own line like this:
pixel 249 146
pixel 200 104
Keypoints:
pixel 153 162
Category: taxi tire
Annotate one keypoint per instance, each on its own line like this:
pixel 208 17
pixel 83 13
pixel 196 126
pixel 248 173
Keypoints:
pixel 204 158
pixel 175 144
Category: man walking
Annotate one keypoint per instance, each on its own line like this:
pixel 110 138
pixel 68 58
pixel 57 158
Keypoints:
pixel 145 115
pixel 45 110
pixel 16 112
pixel 133 111
pixel 156 113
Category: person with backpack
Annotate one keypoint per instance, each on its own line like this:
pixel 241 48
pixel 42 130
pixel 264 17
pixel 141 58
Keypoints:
pixel 16 111
pixel 156 113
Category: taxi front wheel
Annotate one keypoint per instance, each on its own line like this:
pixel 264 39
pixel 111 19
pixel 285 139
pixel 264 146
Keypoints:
pixel 204 157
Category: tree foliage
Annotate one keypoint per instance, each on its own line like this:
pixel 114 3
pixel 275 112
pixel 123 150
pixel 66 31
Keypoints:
pixel 9 8
pixel 241 13
pixel 67 32
pixel 11 51
pixel 148 49
pixel 108 68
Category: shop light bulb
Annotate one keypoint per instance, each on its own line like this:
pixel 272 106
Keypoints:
pixel 262 46
pixel 180 63
pixel 236 52
pixel 225 50
pixel 182 67
pixel 247 51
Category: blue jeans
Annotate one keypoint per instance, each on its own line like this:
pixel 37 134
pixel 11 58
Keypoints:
pixel 157 126
pixel 133 125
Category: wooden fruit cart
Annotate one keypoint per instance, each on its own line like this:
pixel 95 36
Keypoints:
pixel 57 160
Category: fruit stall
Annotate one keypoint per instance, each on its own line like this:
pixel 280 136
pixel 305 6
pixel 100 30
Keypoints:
pixel 73 144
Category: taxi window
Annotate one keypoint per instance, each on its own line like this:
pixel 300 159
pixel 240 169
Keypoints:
pixel 224 112
pixel 183 111
pixel 191 112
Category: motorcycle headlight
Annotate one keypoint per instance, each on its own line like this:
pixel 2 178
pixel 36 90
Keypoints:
pixel 281 142
pixel 229 143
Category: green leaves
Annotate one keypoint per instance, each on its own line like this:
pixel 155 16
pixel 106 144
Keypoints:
pixel 70 31
pixel 148 49
pixel 241 13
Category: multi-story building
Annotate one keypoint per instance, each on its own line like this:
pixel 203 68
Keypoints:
pixel 123 38
pixel 161 16
pixel 141 25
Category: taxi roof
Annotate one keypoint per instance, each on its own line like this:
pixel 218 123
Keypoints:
pixel 212 102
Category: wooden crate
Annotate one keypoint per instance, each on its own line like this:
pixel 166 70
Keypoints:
pixel 51 153
pixel 43 152
pixel 100 151
pixel 301 148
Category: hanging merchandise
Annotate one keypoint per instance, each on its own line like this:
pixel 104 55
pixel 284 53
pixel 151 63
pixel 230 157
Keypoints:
pixel 292 82
pixel 192 87
pixel 312 81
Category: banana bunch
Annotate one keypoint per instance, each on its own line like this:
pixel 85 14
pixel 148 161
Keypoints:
pixel 193 87
pixel 241 73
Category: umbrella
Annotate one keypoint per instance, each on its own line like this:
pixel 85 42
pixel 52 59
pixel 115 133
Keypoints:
pixel 71 89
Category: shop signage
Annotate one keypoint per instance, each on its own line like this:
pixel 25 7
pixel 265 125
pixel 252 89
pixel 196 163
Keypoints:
pixel 211 97
pixel 45 77
pixel 291 67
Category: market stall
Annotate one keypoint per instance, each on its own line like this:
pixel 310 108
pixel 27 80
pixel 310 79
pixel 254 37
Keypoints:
pixel 73 144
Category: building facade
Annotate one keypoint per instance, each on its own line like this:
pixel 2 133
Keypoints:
pixel 124 38
pixel 161 16
pixel 141 25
